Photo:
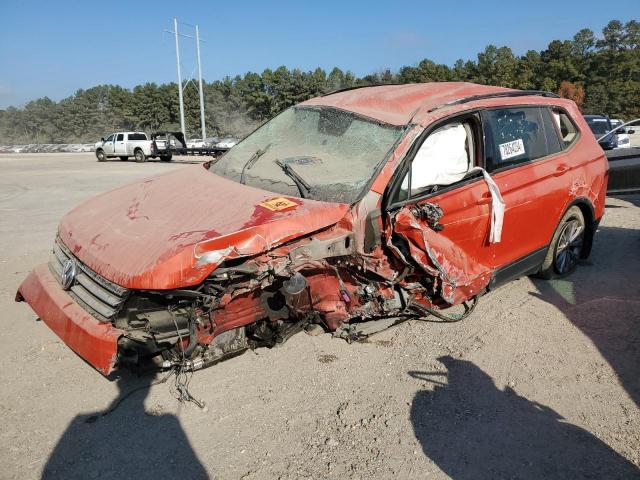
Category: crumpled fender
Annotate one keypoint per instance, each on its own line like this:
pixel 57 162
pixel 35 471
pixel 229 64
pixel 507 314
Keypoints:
pixel 460 276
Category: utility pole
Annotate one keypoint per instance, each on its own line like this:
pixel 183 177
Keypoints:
pixel 175 31
pixel 204 131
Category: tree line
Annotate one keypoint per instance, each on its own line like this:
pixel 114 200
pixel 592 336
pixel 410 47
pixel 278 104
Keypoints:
pixel 600 73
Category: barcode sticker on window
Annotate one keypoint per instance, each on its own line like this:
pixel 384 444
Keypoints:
pixel 511 149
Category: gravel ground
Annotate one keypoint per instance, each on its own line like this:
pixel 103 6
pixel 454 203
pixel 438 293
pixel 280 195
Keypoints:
pixel 541 382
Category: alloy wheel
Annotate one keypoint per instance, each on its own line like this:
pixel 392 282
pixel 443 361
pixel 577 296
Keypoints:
pixel 569 246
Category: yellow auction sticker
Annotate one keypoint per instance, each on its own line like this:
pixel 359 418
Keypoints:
pixel 278 204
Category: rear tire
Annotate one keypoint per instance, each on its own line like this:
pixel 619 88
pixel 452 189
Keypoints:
pixel 140 156
pixel 566 246
pixel 124 159
pixel 165 158
pixel 100 155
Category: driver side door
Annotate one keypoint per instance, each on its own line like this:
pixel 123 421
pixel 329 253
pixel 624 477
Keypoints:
pixel 109 143
pixel 455 250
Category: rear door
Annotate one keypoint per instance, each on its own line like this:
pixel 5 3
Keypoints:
pixel 525 157
pixel 120 145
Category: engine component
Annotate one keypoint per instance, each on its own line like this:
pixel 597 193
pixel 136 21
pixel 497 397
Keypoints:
pixel 296 284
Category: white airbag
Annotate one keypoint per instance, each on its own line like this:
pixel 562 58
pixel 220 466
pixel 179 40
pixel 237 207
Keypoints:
pixel 442 158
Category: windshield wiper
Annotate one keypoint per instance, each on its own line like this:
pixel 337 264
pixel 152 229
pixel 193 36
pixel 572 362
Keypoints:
pixel 297 179
pixel 252 160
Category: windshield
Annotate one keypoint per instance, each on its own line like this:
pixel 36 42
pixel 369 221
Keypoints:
pixel 333 151
pixel 599 126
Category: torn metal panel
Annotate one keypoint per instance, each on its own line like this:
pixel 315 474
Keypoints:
pixel 457 276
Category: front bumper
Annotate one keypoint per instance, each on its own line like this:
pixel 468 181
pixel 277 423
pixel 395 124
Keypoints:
pixel 94 341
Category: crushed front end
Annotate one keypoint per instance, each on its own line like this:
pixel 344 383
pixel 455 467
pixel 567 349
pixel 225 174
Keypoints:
pixel 246 302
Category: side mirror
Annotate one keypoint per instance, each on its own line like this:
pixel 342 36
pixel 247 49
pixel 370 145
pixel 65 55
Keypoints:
pixel 102 139
pixel 631 132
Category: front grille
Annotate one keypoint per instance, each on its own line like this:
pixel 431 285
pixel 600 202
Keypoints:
pixel 99 296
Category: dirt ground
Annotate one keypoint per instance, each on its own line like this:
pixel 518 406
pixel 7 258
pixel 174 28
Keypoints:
pixel 541 382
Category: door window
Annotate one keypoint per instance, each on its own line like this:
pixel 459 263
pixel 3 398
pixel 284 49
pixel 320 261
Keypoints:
pixel 120 137
pixel 518 135
pixel 137 136
pixel 565 127
pixel 444 158
pixel 109 138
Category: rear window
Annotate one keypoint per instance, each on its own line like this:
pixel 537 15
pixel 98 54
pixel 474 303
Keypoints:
pixel 137 136
pixel 566 129
pixel 518 135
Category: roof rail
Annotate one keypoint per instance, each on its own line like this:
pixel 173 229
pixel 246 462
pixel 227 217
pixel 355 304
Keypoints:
pixel 511 93
pixel 356 87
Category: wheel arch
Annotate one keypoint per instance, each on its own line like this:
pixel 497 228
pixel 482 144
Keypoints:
pixel 588 212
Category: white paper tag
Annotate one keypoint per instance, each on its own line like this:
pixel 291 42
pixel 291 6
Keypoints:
pixel 511 149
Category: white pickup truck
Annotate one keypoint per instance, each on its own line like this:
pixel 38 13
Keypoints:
pixel 127 144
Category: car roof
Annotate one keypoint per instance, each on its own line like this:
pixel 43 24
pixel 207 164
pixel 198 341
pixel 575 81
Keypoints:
pixel 398 104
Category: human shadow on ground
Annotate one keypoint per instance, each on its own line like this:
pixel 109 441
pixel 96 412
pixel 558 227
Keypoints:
pixel 128 442
pixel 602 299
pixel 473 430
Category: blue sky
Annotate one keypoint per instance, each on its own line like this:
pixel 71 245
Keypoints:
pixel 52 48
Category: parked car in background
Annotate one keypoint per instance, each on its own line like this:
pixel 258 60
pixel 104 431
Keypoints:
pixel 601 125
pixel 196 143
pixel 212 141
pixel 124 145
pixel 349 212
pixel 227 142
pixel 622 133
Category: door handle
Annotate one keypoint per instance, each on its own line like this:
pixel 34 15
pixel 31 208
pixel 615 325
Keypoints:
pixel 561 170
pixel 484 199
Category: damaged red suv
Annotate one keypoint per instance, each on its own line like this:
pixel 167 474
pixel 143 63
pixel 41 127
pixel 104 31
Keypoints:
pixel 349 212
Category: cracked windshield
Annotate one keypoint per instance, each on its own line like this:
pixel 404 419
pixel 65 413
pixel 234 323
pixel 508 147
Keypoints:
pixel 319 153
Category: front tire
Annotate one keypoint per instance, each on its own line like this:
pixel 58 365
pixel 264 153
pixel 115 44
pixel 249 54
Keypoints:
pixel 140 156
pixel 100 155
pixel 566 246
pixel 165 158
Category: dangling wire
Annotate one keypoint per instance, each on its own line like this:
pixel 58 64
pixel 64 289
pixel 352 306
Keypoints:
pixel 469 307
pixel 182 373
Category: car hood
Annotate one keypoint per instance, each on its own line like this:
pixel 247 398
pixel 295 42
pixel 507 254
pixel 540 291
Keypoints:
pixel 173 230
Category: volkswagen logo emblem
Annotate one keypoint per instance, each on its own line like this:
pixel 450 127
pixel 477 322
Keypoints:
pixel 68 274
